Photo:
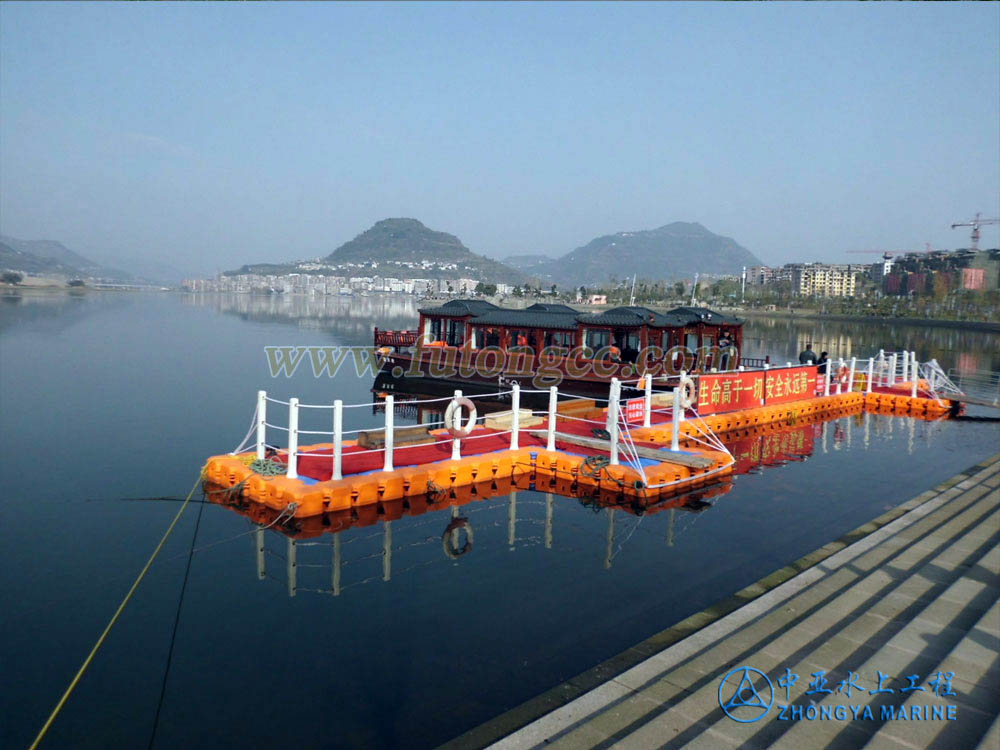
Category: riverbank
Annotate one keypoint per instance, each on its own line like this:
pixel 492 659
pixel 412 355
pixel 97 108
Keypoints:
pixel 969 325
pixel 912 592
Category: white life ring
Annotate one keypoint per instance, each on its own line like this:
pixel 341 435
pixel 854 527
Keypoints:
pixel 688 392
pixel 453 418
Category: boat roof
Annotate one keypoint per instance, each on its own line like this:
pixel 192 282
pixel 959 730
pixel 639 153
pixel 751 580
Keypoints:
pixel 553 315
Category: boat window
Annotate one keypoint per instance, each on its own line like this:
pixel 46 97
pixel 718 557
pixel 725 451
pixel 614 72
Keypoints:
pixel 455 332
pixel 490 336
pixel 597 339
pixel 521 337
pixel 436 329
pixel 559 338
pixel 691 341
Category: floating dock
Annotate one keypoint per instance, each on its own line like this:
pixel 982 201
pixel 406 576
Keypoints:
pixel 649 447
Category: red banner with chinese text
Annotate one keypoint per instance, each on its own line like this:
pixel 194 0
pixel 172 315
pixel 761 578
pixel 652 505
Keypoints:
pixel 734 391
pixel 730 391
pixel 785 384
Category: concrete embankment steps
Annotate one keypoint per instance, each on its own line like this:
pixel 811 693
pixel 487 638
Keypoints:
pixel 916 596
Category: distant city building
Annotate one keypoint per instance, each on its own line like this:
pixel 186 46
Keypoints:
pixel 823 279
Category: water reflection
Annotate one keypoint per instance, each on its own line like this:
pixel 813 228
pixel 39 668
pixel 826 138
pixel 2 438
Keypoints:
pixel 953 347
pixel 781 338
pixel 453 516
pixel 351 317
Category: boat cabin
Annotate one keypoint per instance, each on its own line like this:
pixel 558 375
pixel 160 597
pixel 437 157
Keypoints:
pixel 624 334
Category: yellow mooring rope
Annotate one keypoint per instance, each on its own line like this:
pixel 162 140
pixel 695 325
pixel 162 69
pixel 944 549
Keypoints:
pixel 111 623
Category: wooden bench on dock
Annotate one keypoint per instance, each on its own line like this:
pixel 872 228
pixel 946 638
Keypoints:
pixel 666 456
pixel 417 434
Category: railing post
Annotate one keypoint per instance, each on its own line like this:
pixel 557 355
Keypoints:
pixel 261 562
pixel 293 438
pixel 914 376
pixel 338 438
pixel 292 567
pixel 871 375
pixel 456 444
pixel 647 404
pixel 826 377
pixel 892 370
pixel 679 416
pixel 613 418
pixel 881 366
pixel 850 377
pixel 550 444
pixel 906 366
pixel 515 415
pixel 675 435
pixel 840 367
pixel 390 409
pixel 261 424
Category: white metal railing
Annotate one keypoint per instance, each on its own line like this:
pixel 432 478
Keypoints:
pixel 979 384
pixel 887 369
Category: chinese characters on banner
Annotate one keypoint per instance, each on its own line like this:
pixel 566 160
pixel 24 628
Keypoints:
pixel 635 409
pixel 733 391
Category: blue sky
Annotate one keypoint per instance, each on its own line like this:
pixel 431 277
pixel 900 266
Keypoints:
pixel 212 135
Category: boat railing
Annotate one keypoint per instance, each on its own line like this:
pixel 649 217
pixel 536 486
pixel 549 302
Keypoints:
pixel 395 338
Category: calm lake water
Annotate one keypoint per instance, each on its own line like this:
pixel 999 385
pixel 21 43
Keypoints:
pixel 109 400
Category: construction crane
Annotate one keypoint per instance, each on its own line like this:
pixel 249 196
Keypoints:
pixel 975 224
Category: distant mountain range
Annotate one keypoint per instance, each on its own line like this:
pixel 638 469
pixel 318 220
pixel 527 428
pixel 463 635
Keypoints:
pixel 51 257
pixel 400 248
pixel 674 251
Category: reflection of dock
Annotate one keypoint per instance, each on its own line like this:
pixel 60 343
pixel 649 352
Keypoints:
pixel 898 618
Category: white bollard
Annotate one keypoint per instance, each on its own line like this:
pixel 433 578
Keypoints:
pixel 390 413
pixel 550 444
pixel 850 376
pixel 647 405
pixel 456 444
pixel 261 424
pixel 892 370
pixel 788 364
pixel 871 375
pixel 338 438
pixel 675 436
pixel 515 415
pixel 293 438
pixel 613 396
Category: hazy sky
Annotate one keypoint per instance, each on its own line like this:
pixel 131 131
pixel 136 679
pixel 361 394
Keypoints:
pixel 215 135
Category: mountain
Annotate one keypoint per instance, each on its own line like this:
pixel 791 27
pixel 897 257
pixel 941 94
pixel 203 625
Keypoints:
pixel 529 263
pixel 49 256
pixel 18 260
pixel 674 251
pixel 401 248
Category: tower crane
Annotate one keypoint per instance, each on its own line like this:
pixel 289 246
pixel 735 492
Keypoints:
pixel 975 224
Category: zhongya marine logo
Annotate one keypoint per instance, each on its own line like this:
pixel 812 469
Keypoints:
pixel 746 695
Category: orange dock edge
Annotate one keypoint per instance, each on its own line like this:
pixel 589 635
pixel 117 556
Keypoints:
pixel 313 499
